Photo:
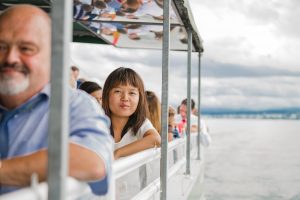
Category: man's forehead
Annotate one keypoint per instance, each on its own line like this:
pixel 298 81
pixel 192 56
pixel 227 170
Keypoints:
pixel 26 32
pixel 24 15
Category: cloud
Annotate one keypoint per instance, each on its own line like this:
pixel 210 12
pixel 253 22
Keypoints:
pixel 220 70
pixel 251 93
pixel 254 33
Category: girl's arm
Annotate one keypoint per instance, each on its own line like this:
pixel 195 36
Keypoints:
pixel 150 139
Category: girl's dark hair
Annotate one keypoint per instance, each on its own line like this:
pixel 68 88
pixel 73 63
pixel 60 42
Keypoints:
pixel 126 76
pixel 89 87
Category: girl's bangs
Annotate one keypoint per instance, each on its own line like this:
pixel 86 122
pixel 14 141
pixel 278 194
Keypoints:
pixel 127 79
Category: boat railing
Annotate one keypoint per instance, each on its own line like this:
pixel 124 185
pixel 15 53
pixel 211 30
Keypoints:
pixel 136 176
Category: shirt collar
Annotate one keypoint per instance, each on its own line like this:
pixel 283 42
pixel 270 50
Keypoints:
pixel 44 93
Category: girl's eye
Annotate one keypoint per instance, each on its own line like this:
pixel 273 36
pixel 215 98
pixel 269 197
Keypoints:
pixel 117 91
pixel 132 93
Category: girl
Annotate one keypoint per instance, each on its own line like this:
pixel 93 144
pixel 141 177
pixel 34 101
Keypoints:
pixel 154 108
pixel 93 89
pixel 124 102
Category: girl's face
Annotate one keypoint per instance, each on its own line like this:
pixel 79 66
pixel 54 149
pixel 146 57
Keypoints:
pixel 123 100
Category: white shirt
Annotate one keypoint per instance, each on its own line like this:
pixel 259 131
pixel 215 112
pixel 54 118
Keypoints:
pixel 98 11
pixel 129 137
pixel 194 119
pixel 205 138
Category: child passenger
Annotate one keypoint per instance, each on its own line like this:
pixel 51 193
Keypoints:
pixel 172 130
pixel 124 102
pixel 154 108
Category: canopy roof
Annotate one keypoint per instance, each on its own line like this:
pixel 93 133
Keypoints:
pixel 127 26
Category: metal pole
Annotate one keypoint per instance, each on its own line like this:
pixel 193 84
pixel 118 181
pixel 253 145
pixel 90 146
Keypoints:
pixel 188 132
pixel 199 107
pixel 61 13
pixel 165 100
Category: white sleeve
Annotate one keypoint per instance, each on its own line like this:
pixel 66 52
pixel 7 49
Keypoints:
pixel 205 138
pixel 147 125
pixel 194 120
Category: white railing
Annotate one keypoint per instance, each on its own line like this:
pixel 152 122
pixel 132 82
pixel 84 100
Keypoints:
pixel 74 190
pixel 144 165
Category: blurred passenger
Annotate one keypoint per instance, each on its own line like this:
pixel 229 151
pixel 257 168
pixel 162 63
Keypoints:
pixel 80 81
pixel 75 74
pixel 181 121
pixel 131 6
pixel 101 9
pixel 81 10
pixel 154 107
pixel 205 138
pixel 144 31
pixel 172 129
pixel 181 118
pixel 25 64
pixel 115 4
pixel 93 89
pixel 124 101
pixel 72 81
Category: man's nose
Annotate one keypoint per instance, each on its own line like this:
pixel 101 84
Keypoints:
pixel 12 56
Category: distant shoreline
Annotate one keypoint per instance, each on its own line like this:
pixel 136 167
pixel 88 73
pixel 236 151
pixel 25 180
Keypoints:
pixel 295 116
pixel 280 113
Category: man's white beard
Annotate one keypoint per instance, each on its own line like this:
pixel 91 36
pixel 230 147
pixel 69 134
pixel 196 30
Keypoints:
pixel 9 86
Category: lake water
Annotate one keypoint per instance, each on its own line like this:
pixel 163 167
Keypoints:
pixel 252 159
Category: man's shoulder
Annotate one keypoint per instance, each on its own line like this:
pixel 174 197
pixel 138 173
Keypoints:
pixel 80 100
pixel 79 96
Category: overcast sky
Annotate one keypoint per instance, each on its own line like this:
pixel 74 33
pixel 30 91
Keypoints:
pixel 250 59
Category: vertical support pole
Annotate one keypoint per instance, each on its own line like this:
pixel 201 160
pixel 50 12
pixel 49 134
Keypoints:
pixel 188 132
pixel 61 14
pixel 199 107
pixel 165 100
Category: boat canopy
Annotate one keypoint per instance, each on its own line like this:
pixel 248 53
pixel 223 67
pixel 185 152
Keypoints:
pixel 125 27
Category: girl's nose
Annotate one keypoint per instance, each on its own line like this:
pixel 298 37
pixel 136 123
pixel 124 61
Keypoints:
pixel 124 96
